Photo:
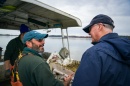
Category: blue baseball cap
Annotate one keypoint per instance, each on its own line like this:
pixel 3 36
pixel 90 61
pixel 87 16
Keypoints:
pixel 24 28
pixel 33 35
pixel 101 18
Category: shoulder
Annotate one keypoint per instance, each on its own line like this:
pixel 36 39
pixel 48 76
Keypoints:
pixel 12 41
pixel 98 51
pixel 100 47
pixel 31 60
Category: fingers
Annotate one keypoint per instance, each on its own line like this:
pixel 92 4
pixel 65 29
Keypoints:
pixel 67 80
pixel 68 77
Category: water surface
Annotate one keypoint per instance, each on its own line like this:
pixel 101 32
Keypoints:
pixel 77 46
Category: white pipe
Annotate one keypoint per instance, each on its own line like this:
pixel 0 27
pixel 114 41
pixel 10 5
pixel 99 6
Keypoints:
pixel 68 41
pixel 62 37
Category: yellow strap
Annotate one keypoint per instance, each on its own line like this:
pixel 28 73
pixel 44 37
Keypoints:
pixel 20 54
pixel 17 76
pixel 12 73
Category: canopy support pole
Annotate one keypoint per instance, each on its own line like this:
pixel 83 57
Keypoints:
pixel 62 37
pixel 68 41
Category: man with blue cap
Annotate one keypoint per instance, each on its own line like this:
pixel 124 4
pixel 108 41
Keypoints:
pixel 107 63
pixel 32 68
pixel 13 48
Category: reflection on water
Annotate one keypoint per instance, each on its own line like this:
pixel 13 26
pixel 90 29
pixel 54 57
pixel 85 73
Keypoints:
pixel 77 46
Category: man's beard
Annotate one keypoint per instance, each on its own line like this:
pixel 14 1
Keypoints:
pixel 39 48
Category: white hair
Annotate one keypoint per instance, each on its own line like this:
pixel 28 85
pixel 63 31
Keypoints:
pixel 108 26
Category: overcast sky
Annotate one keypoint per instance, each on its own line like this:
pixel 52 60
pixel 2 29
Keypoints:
pixel 85 10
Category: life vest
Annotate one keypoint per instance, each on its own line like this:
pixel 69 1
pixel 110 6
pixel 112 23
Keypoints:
pixel 15 81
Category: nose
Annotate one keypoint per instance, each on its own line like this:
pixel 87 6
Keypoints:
pixel 43 41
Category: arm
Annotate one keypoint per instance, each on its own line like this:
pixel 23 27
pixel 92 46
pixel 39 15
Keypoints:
pixel 9 52
pixel 44 77
pixel 7 69
pixel 7 56
pixel 7 64
pixel 88 73
pixel 67 80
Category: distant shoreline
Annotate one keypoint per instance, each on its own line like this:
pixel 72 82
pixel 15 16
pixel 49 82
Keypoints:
pixel 64 36
pixel 52 36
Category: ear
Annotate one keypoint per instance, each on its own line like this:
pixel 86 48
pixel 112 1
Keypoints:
pixel 28 43
pixel 21 36
pixel 100 27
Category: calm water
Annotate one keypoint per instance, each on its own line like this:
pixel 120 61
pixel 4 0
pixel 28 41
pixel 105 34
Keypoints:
pixel 54 44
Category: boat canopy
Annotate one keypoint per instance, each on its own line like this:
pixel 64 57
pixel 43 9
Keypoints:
pixel 34 14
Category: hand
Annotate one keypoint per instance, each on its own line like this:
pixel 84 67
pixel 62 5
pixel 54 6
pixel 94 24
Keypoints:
pixel 7 73
pixel 67 80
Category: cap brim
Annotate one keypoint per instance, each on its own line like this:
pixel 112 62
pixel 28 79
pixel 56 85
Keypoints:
pixel 41 36
pixel 86 29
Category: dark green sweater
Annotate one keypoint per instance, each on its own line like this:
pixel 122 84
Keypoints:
pixel 34 71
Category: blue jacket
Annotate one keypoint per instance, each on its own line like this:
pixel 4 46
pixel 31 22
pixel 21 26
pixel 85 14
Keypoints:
pixel 107 63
